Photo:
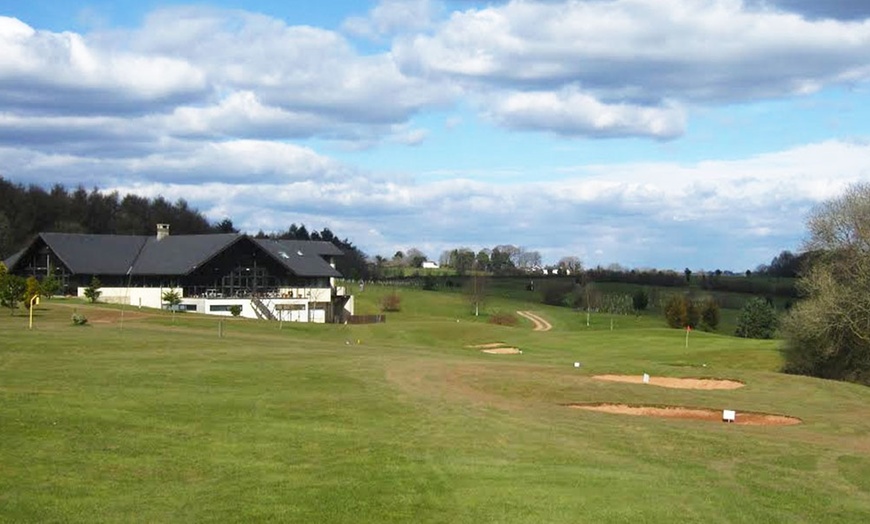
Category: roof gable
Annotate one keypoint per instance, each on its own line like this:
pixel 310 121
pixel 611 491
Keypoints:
pixel 180 254
pixel 95 254
pixel 304 258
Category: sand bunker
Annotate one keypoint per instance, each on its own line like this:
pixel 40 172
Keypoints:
pixel 678 383
pixel 709 415
pixel 502 351
pixel 497 348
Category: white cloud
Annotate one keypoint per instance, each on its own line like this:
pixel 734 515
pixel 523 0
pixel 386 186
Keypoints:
pixel 641 56
pixel 42 71
pixel 571 112
pixel 392 16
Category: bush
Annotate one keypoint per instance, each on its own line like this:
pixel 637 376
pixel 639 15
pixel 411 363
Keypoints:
pixel 235 310
pixel 78 319
pixel 503 319
pixel 709 315
pixel 681 311
pixel 391 302
pixel 757 319
pixel 558 293
pixel 640 300
pixel 92 292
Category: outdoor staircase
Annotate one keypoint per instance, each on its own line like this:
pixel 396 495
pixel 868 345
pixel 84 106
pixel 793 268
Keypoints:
pixel 262 311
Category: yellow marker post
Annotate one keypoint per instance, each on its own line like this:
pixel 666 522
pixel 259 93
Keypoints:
pixel 34 301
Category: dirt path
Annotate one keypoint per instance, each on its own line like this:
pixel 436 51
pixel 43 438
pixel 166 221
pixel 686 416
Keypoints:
pixel 540 323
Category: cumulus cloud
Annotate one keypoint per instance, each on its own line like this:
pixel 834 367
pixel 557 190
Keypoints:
pixel 572 112
pixel 200 72
pixel 389 17
pixel 42 72
pixel 643 56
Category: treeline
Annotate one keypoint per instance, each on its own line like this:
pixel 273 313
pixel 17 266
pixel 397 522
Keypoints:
pixel 27 211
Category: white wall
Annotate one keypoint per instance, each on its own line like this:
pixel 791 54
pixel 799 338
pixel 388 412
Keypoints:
pixel 134 296
pixel 153 298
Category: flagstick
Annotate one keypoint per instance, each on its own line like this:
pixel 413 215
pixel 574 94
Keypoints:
pixel 688 328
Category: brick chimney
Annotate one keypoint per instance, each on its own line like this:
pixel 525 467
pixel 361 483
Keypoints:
pixel 162 231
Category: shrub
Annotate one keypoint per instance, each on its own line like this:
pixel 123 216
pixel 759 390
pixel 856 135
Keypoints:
pixel 503 319
pixel 235 310
pixel 709 315
pixel 640 300
pixel 757 319
pixel 558 293
pixel 675 311
pixel 681 311
pixel 391 302
pixel 92 292
pixel 172 298
pixel 78 319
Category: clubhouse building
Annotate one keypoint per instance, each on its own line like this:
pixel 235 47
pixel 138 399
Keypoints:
pixel 288 280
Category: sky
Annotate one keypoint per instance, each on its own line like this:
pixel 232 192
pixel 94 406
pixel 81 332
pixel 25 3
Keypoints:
pixel 648 133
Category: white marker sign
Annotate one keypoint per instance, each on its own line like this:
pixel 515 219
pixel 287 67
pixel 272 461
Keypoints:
pixel 576 364
pixel 645 378
pixel 729 415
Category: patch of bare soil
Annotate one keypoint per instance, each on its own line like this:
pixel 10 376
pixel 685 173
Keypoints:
pixel 540 323
pixel 677 383
pixel 488 346
pixel 709 415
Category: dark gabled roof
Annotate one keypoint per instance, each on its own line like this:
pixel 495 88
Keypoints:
pixel 95 254
pixel 174 255
pixel 303 258
pixel 13 259
pixel 180 254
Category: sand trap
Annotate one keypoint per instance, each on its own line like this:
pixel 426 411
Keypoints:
pixel 709 415
pixel 496 348
pixel 502 351
pixel 678 383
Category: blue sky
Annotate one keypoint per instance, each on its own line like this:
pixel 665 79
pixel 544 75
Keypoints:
pixel 648 133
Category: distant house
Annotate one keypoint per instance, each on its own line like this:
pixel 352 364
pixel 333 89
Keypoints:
pixel 430 265
pixel 288 280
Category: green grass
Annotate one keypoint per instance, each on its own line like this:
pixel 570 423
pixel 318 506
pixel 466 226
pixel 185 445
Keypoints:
pixel 160 420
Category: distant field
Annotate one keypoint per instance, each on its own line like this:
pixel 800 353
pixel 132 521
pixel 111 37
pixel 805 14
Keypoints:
pixel 142 416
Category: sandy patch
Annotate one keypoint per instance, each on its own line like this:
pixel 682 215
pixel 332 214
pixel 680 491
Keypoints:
pixel 488 346
pixel 709 415
pixel 502 351
pixel 540 323
pixel 677 383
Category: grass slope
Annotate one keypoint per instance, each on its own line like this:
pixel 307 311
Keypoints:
pixel 157 419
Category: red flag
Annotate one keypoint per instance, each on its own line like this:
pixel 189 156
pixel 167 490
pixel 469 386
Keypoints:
pixel 688 328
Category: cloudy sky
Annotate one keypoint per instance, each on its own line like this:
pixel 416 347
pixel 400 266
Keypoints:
pixel 650 133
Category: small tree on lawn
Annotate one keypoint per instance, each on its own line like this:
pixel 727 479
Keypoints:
pixel 12 288
pixel 171 297
pixel 640 299
pixel 31 289
pixel 681 311
pixel 391 302
pixel 92 292
pixel 757 319
pixel 50 286
pixel 709 315
pixel 476 291
pixel 675 311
